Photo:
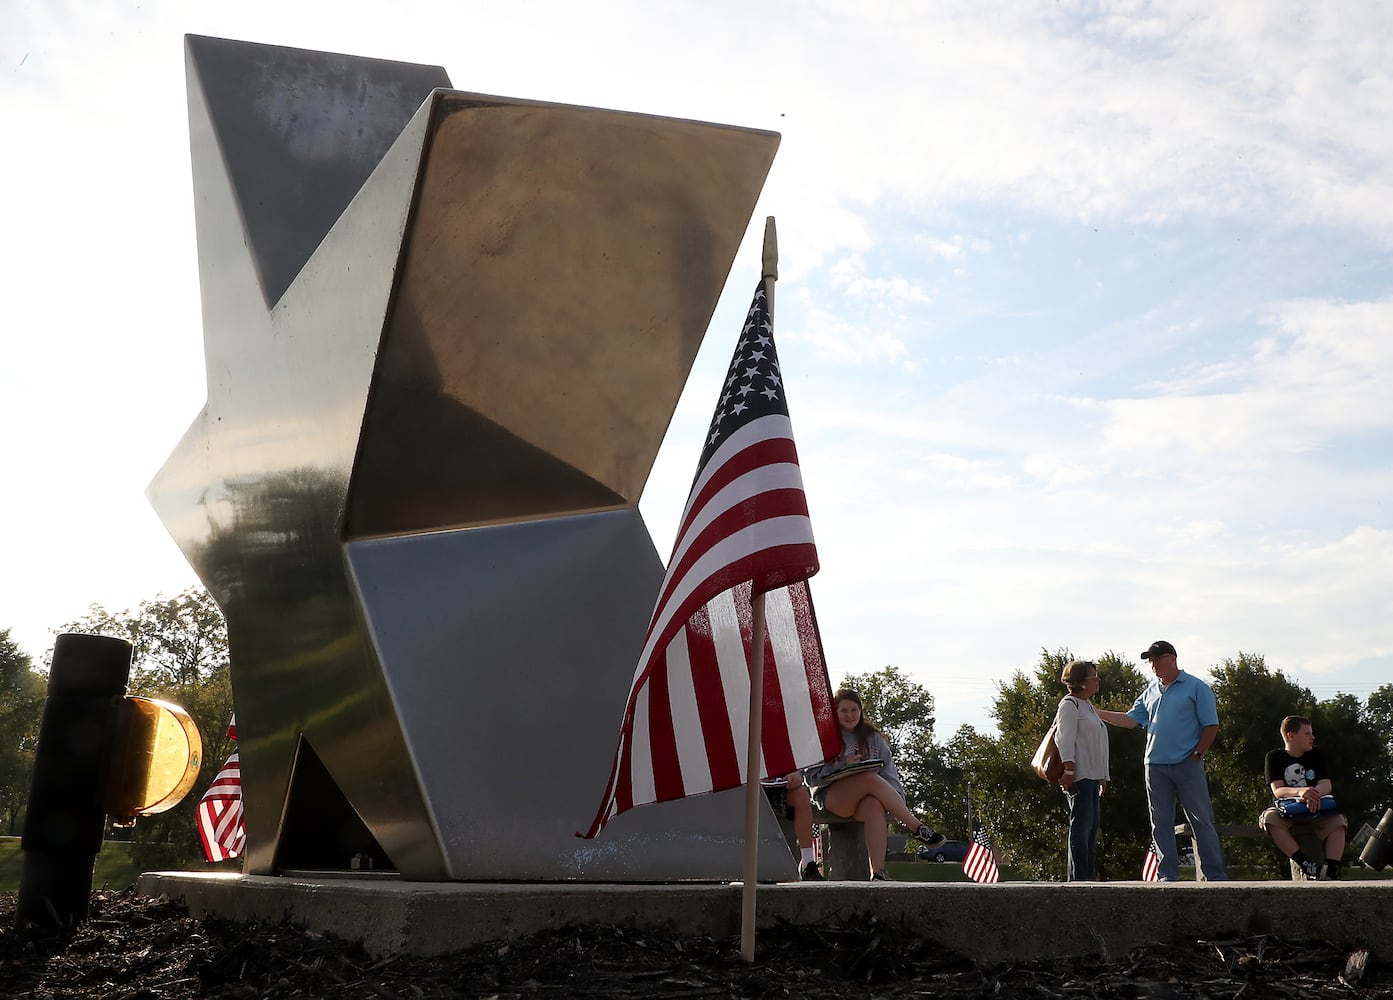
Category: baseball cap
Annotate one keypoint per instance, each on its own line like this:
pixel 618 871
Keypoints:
pixel 1158 648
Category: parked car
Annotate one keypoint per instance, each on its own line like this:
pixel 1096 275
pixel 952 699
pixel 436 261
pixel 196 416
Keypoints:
pixel 953 850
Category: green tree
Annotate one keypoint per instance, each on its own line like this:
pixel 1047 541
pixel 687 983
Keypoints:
pixel 1356 750
pixel 179 641
pixel 181 656
pixel 22 691
pixel 903 711
pixel 1378 714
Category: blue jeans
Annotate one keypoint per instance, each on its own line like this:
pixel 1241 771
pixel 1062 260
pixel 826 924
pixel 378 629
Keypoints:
pixel 1187 782
pixel 1085 816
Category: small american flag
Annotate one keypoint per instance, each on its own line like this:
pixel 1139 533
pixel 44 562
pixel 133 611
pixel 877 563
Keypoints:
pixel 219 813
pixel 980 864
pixel 1151 866
pixel 745 531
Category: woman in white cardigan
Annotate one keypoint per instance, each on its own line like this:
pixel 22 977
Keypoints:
pixel 1083 746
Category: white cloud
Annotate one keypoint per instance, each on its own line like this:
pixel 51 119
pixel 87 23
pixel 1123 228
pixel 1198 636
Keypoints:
pixel 1323 372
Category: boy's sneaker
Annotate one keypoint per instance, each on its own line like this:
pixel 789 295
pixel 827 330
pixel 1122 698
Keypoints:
pixel 812 873
pixel 927 837
pixel 1309 868
pixel 1332 871
pixel 881 876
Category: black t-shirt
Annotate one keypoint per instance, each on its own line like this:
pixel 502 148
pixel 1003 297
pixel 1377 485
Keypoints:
pixel 1295 772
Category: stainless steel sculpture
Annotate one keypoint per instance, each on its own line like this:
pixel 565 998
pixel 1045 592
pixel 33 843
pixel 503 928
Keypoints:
pixel 443 343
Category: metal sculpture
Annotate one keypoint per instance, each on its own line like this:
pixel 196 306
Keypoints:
pixel 444 336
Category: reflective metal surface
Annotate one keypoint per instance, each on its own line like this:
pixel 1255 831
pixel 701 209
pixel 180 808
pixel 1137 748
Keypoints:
pixel 414 487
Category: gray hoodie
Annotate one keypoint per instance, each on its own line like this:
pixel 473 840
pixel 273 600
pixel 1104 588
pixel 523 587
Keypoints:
pixel 876 747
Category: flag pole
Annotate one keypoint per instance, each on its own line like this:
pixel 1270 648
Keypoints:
pixel 770 274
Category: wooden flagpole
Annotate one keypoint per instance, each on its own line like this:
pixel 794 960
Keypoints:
pixel 770 274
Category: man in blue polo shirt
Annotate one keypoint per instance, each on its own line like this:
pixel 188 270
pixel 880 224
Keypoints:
pixel 1181 721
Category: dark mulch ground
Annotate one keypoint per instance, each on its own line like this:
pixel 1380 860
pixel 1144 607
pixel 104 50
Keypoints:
pixel 133 948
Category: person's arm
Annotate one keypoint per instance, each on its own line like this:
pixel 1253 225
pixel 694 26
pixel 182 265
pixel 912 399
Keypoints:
pixel 814 775
pixel 1120 719
pixel 1066 739
pixel 1207 735
pixel 1309 794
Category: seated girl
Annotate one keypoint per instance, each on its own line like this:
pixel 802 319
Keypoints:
pixel 871 795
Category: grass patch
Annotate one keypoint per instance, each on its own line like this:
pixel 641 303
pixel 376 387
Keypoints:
pixel 113 870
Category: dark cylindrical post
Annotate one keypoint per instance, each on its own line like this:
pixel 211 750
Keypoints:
pixel 64 823
pixel 1378 852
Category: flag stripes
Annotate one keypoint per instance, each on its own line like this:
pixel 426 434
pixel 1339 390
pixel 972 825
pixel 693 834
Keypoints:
pixel 687 724
pixel 219 814
pixel 980 863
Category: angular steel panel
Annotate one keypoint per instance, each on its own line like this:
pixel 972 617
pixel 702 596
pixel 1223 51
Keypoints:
pixel 413 489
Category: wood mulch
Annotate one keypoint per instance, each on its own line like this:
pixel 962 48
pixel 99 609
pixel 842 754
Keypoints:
pixel 136 948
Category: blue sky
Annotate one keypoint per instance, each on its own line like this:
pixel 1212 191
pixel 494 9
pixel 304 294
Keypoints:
pixel 1084 308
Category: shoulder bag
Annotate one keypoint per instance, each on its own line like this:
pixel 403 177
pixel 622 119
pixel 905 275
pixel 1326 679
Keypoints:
pixel 1046 762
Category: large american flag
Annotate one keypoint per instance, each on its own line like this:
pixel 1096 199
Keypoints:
pixel 219 813
pixel 980 863
pixel 745 531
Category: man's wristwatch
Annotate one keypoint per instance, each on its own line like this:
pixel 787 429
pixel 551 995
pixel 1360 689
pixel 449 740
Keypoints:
pixel 1197 755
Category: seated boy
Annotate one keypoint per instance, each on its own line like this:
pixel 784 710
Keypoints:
pixel 1297 771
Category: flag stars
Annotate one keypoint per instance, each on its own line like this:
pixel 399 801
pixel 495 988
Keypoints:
pixel 754 384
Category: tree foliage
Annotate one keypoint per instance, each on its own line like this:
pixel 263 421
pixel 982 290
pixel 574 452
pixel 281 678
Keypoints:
pixel 179 641
pixel 1357 751
pixel 22 690
pixel 1378 717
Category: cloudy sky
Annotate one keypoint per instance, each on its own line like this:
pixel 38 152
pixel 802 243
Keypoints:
pixel 1084 310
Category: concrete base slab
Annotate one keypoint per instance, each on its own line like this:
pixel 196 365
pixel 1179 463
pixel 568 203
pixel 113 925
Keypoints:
pixel 1008 921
